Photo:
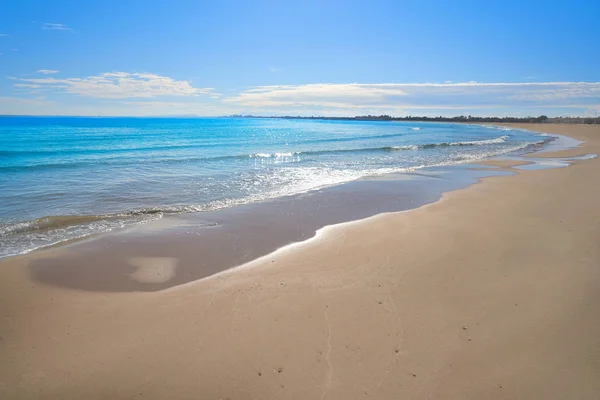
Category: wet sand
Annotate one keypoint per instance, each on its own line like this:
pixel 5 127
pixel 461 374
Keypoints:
pixel 188 247
pixel 491 292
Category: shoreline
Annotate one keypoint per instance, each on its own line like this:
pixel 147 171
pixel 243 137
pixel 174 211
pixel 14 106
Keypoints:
pixel 503 162
pixel 164 253
pixel 452 167
pixel 118 221
pixel 228 235
pixel 205 244
pixel 490 292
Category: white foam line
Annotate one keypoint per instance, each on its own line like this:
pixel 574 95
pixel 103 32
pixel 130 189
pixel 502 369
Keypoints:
pixel 320 234
pixel 561 142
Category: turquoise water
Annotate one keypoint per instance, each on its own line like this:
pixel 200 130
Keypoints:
pixel 63 178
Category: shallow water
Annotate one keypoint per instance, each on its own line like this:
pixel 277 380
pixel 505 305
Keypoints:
pixel 64 178
pixel 187 247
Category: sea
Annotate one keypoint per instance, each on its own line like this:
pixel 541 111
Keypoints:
pixel 64 178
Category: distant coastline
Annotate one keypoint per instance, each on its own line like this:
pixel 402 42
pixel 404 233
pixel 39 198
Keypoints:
pixel 542 119
pixel 461 118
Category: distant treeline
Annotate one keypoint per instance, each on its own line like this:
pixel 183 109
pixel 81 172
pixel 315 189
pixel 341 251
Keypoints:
pixel 462 118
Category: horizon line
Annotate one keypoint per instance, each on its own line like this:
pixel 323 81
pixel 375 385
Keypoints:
pixel 387 116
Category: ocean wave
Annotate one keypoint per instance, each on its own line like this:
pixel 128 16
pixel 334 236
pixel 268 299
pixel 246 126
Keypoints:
pixel 273 155
pixel 499 128
pixel 60 222
pixel 163 147
pixel 258 155
pixel 498 140
pixel 409 147
pixel 49 222
pixel 25 236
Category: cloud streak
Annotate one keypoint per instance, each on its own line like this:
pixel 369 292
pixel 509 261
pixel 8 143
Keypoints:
pixel 55 27
pixel 27 85
pixel 152 94
pixel 322 95
pixel 398 98
pixel 119 85
pixel 47 71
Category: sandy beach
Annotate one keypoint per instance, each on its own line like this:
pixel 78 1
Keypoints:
pixel 493 292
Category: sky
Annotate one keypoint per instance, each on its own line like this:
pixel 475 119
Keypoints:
pixel 325 57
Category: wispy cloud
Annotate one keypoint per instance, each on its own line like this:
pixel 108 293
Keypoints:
pixel 3 34
pixel 274 69
pixel 27 85
pixel 150 94
pixel 56 27
pixel 320 94
pixel 400 98
pixel 122 85
pixel 560 91
pixel 47 71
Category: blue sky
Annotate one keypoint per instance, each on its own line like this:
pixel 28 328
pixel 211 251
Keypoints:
pixel 299 58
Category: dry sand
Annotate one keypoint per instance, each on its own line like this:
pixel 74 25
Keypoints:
pixel 491 293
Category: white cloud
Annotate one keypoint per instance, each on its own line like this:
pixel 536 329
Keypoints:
pixel 399 98
pixel 56 27
pixel 150 94
pixel 27 85
pixel 3 34
pixel 320 94
pixel 549 92
pixel 47 71
pixel 120 85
